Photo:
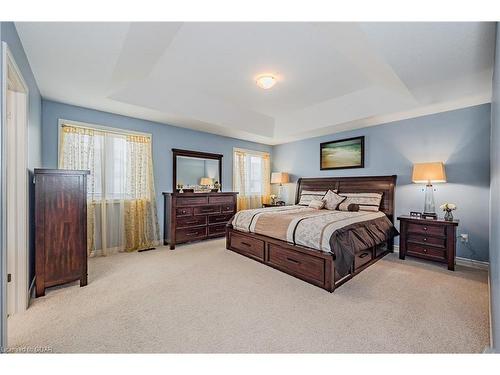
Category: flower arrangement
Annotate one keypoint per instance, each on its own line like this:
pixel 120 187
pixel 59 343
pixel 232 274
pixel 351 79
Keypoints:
pixel 448 207
pixel 273 198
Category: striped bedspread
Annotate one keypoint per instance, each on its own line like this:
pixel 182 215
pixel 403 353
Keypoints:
pixel 299 225
pixel 339 232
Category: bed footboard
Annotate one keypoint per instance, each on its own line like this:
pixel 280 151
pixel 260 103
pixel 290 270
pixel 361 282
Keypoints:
pixel 315 267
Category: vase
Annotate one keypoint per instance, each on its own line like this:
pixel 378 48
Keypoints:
pixel 448 216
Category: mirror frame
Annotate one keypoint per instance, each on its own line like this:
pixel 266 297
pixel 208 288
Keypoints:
pixel 194 154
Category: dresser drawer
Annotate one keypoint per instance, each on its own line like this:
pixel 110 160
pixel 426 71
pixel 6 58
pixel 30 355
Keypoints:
pixel 425 251
pixel 229 208
pixel 183 211
pixel 307 266
pixel 191 221
pixel 426 240
pixel 204 210
pixel 189 234
pixel 223 218
pixel 248 246
pixel 218 229
pixel 189 201
pixel 221 199
pixel 363 257
pixel 431 230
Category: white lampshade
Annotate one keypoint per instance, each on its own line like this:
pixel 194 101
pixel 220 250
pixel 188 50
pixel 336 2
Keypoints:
pixel 279 178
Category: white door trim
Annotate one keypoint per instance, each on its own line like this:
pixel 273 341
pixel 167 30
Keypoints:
pixel 20 183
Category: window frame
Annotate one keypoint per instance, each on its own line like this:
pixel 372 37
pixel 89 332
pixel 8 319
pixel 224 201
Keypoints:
pixel 61 122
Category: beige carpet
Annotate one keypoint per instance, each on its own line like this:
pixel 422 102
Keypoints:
pixel 203 298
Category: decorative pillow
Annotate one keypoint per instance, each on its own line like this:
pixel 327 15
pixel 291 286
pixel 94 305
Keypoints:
pixel 316 204
pixel 306 196
pixel 353 207
pixel 366 201
pixel 332 200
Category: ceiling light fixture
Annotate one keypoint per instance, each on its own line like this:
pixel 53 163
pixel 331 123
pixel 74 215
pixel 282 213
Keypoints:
pixel 266 81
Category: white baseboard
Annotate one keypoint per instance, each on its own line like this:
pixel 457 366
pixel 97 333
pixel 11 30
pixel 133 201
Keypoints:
pixel 465 262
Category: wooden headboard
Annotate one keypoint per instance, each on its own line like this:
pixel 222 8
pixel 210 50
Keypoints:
pixel 364 184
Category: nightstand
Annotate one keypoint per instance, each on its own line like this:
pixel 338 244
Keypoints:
pixel 428 239
pixel 272 205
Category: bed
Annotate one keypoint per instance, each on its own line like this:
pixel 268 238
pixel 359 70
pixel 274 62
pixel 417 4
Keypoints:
pixel 282 237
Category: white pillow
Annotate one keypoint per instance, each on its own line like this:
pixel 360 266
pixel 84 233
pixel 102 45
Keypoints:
pixel 316 204
pixel 332 200
pixel 306 196
pixel 366 201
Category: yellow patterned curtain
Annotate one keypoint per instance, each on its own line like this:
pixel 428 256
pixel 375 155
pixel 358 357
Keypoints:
pixel 121 200
pixel 251 178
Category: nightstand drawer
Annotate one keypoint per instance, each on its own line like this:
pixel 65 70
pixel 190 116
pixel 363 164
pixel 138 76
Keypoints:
pixel 424 240
pixel 426 251
pixel 427 229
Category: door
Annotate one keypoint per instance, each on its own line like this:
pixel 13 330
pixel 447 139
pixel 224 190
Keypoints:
pixel 15 193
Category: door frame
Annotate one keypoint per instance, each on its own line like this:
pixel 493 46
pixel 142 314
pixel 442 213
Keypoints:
pixel 21 256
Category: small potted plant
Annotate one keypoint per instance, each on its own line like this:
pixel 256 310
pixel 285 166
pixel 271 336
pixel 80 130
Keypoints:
pixel 447 208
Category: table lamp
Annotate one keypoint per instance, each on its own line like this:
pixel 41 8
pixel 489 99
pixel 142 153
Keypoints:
pixel 428 173
pixel 206 181
pixel 279 178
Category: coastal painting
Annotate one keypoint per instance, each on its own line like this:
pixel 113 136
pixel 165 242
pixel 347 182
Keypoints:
pixel 343 154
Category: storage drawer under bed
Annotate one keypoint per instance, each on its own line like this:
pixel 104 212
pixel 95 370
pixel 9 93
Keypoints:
pixel 248 246
pixel 306 266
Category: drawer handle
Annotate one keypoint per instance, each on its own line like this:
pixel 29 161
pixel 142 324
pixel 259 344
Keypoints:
pixel 191 234
pixel 183 211
pixel 425 228
pixel 191 222
pixel 425 250
pixel 425 239
pixel 207 210
pixel 246 244
pixel 363 255
pixel 295 261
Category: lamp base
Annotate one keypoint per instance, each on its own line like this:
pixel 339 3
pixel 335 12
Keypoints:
pixel 429 215
pixel 429 205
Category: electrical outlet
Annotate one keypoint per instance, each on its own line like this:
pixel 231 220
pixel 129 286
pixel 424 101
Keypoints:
pixel 464 237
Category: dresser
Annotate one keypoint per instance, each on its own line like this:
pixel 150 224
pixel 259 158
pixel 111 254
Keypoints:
pixel 60 227
pixel 196 216
pixel 429 239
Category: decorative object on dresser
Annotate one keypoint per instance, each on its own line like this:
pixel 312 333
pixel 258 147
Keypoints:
pixel 196 216
pixel 432 239
pixel 342 154
pixel 429 173
pixel 195 170
pixel 60 227
pixel 311 265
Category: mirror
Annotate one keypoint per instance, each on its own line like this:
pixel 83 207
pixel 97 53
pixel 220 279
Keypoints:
pixel 196 170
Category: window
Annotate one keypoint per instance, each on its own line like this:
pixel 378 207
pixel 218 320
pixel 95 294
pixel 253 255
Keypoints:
pixel 121 204
pixel 251 178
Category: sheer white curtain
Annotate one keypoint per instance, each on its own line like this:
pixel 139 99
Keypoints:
pixel 121 206
pixel 251 178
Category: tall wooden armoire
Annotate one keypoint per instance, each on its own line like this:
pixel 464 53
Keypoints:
pixel 60 227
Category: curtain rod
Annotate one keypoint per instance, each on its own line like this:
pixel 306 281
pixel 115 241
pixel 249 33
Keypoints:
pixel 101 128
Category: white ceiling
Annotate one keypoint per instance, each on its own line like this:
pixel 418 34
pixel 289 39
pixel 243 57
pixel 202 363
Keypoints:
pixel 332 76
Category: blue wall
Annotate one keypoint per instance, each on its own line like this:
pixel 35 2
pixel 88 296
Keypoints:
pixel 165 137
pixel 9 35
pixel 495 203
pixel 460 138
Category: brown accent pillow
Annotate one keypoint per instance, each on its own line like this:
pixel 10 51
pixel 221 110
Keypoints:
pixel 353 207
